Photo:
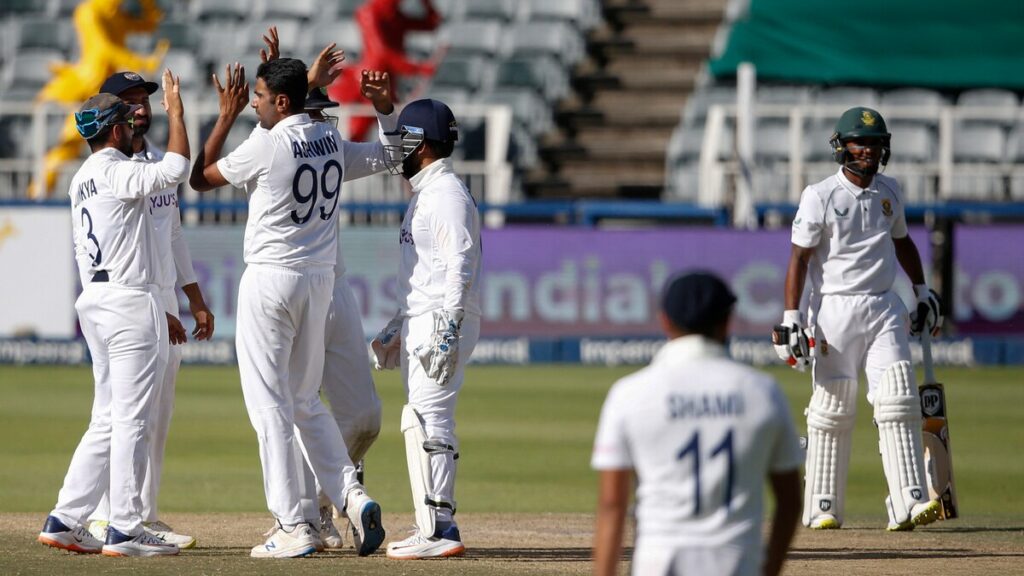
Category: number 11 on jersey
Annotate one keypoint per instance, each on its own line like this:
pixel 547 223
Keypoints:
pixel 692 447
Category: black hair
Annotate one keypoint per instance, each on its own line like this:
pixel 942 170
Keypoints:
pixel 286 76
pixel 440 149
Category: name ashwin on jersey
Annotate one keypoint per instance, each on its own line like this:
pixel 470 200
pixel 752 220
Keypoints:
pixel 705 405
pixel 319 147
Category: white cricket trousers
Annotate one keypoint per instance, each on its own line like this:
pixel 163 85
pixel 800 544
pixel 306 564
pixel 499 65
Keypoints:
pixel 126 331
pixel 347 384
pixel 279 337
pixel 436 404
pixel 160 416
pixel 860 332
pixel 662 559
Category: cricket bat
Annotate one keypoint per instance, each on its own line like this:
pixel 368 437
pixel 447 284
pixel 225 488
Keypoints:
pixel 938 455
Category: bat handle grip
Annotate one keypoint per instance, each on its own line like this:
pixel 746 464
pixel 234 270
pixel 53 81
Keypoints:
pixel 926 360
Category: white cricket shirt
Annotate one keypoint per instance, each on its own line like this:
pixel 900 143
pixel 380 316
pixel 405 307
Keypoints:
pixel 111 224
pixel 851 230
pixel 440 245
pixel 298 167
pixel 702 433
pixel 174 256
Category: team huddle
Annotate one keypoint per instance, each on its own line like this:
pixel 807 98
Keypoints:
pixel 299 330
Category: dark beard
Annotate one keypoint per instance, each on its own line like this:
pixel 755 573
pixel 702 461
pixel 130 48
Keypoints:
pixel 410 166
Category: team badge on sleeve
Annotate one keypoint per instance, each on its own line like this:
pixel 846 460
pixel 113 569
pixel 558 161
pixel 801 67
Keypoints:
pixel 887 207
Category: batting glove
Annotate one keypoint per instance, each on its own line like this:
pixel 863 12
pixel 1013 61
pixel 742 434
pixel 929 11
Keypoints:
pixel 440 354
pixel 928 315
pixel 793 343
pixel 387 345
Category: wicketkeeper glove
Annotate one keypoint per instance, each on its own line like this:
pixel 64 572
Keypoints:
pixel 793 343
pixel 928 315
pixel 387 345
pixel 440 354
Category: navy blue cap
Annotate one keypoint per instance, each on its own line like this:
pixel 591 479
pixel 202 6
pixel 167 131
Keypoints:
pixel 433 117
pixel 317 100
pixel 697 301
pixel 118 82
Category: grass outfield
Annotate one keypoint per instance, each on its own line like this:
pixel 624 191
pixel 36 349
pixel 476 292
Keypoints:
pixel 525 433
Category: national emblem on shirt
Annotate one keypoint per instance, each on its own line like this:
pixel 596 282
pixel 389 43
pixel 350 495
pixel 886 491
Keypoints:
pixel 886 207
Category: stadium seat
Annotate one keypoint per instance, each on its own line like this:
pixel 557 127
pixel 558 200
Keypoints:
pixel 782 94
pixel 183 64
pixel 556 39
pixel 293 35
pixel 469 73
pixel 14 132
pixel 181 34
pixel 682 182
pixel 696 109
pixel 528 108
pixel 235 10
pixel 345 33
pixel 23 7
pixel 27 73
pixel 988 106
pixel 912 99
pixel 45 34
pixel 499 10
pixel 816 136
pixel 848 97
pixel 583 14
pixel 451 10
pixel 346 8
pixel 541 73
pixel 978 143
pixel 301 10
pixel 911 142
pixel 771 141
pixel 473 37
pixel 420 45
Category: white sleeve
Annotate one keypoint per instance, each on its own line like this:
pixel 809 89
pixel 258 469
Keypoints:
pixel 366 158
pixel 451 223
pixel 247 161
pixel 809 223
pixel 611 444
pixel 899 225
pixel 786 454
pixel 131 180
pixel 182 257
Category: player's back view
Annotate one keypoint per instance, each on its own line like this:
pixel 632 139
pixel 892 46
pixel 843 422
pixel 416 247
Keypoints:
pixel 701 432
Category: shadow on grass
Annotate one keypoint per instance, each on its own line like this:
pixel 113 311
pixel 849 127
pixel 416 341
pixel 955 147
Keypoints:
pixel 890 554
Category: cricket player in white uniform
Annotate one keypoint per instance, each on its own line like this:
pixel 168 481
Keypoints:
pixel 123 321
pixel 347 381
pixel 700 432
pixel 298 167
pixel 849 233
pixel 438 322
pixel 176 260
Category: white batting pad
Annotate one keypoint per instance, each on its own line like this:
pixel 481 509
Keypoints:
pixel 898 417
pixel 830 418
pixel 418 452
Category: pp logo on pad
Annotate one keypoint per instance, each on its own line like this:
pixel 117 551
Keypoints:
pixel 825 505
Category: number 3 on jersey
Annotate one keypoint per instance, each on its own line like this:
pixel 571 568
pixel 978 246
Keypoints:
pixel 724 447
pixel 97 258
pixel 308 185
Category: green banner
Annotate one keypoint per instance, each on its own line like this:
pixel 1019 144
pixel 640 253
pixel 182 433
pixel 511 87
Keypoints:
pixel 935 43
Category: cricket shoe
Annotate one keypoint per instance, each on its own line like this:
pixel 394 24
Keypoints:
pixel 284 544
pixel 329 534
pixel 920 515
pixel 57 534
pixel 825 522
pixel 167 534
pixel 418 547
pixel 364 513
pixel 144 544
pixel 318 543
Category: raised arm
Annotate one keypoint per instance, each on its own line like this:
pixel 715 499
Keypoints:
pixel 234 97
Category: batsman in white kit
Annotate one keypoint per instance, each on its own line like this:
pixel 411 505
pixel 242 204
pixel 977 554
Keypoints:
pixel 701 433
pixel 123 321
pixel 176 260
pixel 438 321
pixel 849 234
pixel 293 170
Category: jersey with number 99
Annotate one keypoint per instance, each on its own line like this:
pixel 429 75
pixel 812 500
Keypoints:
pixel 111 224
pixel 298 167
